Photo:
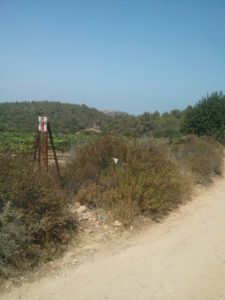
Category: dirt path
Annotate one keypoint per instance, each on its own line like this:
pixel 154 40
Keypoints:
pixel 181 258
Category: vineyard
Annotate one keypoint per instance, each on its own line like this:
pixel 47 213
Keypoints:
pixel 23 142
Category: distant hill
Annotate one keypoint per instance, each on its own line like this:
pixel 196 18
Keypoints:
pixel 115 113
pixel 64 118
pixel 71 118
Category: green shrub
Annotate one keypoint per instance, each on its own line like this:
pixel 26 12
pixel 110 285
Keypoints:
pixel 207 117
pixel 34 217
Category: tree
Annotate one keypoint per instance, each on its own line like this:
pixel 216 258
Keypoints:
pixel 168 126
pixel 207 117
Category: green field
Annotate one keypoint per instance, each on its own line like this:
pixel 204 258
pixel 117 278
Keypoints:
pixel 23 142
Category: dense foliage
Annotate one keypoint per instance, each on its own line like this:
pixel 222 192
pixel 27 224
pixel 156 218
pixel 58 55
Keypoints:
pixel 21 117
pixel 207 117
pixel 64 118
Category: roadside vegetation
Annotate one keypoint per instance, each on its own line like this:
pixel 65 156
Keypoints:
pixel 143 181
pixel 137 166
pixel 200 157
pixel 150 178
pixel 35 221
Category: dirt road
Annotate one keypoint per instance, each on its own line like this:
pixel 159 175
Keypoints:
pixel 181 258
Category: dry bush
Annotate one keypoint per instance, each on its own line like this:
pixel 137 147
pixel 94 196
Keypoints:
pixel 143 182
pixel 151 177
pixel 202 157
pixel 34 219
pixel 147 183
pixel 91 160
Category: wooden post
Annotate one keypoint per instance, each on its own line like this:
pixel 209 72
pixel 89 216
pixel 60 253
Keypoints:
pixel 35 146
pixel 43 154
pixel 41 145
pixel 53 148
pixel 39 151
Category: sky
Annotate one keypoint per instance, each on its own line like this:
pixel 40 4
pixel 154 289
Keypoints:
pixel 126 55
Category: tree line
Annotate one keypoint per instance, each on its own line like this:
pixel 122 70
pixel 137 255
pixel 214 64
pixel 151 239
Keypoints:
pixel 207 117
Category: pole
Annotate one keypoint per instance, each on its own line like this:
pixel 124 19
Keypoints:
pixel 35 146
pixel 53 147
pixel 43 154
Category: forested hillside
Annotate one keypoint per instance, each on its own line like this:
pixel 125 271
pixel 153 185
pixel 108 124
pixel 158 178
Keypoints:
pixel 207 117
pixel 71 118
pixel 64 118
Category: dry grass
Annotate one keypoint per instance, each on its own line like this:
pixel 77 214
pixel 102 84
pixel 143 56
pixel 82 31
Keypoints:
pixel 144 181
pixel 201 157
pixel 34 219
pixel 150 179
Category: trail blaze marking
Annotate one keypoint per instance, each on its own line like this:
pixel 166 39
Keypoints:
pixel 42 123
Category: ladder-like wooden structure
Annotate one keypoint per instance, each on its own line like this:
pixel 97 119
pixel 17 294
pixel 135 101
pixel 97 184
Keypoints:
pixel 41 145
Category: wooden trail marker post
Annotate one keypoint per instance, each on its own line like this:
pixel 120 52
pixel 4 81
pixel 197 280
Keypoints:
pixel 41 144
pixel 42 127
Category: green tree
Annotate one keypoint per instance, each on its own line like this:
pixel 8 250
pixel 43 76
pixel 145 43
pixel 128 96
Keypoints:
pixel 207 117
pixel 168 126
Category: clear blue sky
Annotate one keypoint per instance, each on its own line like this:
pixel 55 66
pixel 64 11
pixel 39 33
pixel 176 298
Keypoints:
pixel 127 55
